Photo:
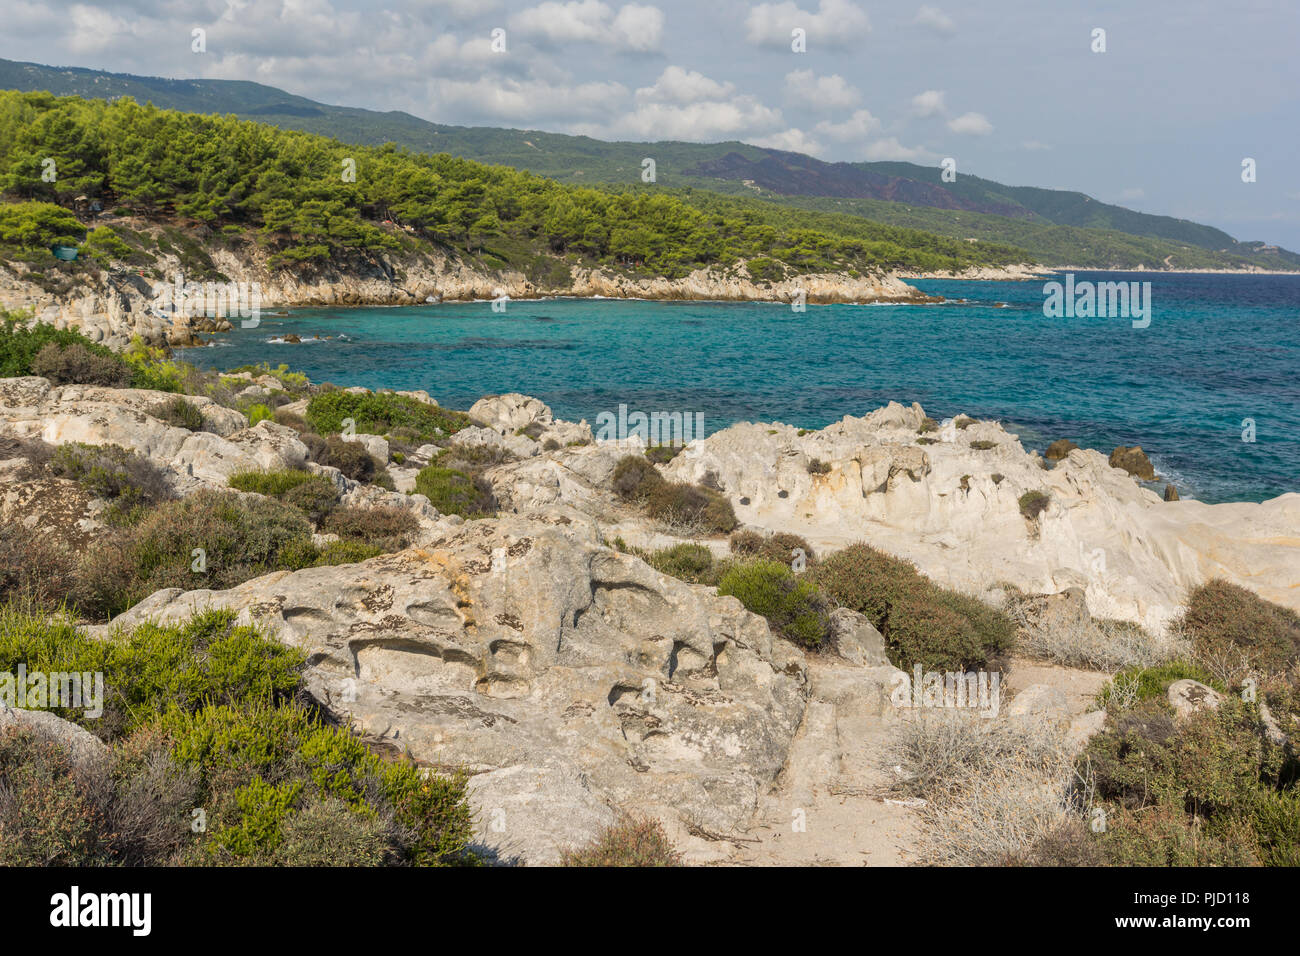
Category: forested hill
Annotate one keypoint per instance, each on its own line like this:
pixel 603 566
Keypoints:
pixel 1056 227
pixel 308 199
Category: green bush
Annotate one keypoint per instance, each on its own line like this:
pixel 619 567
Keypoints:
pixel 635 477
pixel 111 472
pixel 384 526
pixel 678 503
pixel 1224 618
pixel 454 492
pixel 792 605
pixel 207 714
pixel 315 498
pixel 1034 503
pixel 349 457
pixel 180 413
pixel 19 346
pixel 241 538
pixel 378 413
pixel 272 482
pixel 1206 790
pixel 260 413
pixel 1150 682
pixel 346 552
pixel 631 842
pixel 689 562
pixel 921 622
pixel 76 364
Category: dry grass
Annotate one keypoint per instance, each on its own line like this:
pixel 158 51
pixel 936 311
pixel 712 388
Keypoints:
pixel 992 787
pixel 1096 644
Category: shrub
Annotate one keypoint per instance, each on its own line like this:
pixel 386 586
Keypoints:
pixel 631 842
pixel 20 344
pixel 1222 618
pixel 1034 503
pixel 928 424
pixel 1134 684
pixel 963 422
pixel 48 815
pixel 385 527
pixel 920 621
pixel 818 467
pixel 271 482
pixel 207 714
pixel 379 413
pixel 315 497
pixel 983 445
pixel 791 604
pixel 77 364
pixel 34 569
pixel 454 492
pixel 635 477
pixel 688 562
pixel 690 505
pixel 778 547
pixel 346 552
pixel 111 472
pixel 349 457
pixel 242 538
pixel 662 454
pixel 180 413
pixel 260 413
pixel 1209 789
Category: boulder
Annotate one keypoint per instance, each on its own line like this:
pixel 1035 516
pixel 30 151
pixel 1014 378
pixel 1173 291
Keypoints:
pixel 1189 696
pixel 1040 699
pixel 1059 449
pixel 519 647
pixel 511 412
pixel 1134 461
pixel 85 749
pixel 1171 493
pixel 857 640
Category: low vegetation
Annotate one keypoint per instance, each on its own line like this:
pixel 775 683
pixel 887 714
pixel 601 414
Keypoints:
pixel 630 842
pixel 921 622
pixel 208 715
pixel 675 504
pixel 791 603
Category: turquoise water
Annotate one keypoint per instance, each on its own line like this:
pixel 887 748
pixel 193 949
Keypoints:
pixel 1219 349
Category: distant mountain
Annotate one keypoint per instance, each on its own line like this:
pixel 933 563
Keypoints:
pixel 1058 227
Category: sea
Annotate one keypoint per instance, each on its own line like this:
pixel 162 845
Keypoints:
pixel 1209 386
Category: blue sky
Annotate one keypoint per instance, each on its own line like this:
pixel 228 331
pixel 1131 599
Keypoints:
pixel 1159 122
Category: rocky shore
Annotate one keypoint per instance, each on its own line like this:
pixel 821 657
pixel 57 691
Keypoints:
pixel 119 305
pixel 577 682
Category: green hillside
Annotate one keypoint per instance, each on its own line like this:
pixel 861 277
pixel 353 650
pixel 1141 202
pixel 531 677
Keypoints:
pixel 1054 227
pixel 307 200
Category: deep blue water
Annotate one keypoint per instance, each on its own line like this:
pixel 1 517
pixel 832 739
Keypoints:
pixel 1219 349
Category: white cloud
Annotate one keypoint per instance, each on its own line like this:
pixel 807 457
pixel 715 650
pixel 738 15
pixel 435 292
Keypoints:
pixel 837 23
pixel 892 149
pixel 858 127
pixel 929 103
pixel 528 100
pixel 975 124
pixel 814 92
pixel 791 140
pixel 635 27
pixel 639 27
pixel 678 85
pixel 694 122
pixel 935 19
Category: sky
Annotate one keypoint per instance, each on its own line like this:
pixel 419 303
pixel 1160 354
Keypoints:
pixel 1013 90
